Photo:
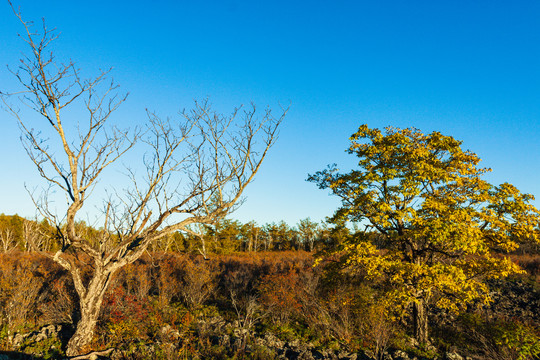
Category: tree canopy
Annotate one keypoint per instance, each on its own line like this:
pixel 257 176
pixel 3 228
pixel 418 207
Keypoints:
pixel 443 226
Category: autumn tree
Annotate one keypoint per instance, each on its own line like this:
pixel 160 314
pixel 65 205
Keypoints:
pixel 278 236
pixel 308 231
pixel 194 170
pixel 251 233
pixel 226 236
pixel 443 226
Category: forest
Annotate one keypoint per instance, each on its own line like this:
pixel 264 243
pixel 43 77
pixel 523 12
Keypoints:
pixel 423 259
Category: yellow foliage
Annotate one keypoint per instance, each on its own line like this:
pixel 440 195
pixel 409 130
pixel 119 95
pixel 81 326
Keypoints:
pixel 442 223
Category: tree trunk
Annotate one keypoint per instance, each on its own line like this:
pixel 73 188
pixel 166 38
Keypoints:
pixel 89 306
pixel 202 249
pixel 420 321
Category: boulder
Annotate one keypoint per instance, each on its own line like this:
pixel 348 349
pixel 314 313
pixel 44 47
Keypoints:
pixel 453 356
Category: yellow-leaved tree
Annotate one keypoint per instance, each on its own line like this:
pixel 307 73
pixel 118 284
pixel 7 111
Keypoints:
pixel 444 227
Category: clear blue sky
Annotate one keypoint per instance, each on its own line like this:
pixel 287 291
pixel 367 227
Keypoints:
pixel 470 69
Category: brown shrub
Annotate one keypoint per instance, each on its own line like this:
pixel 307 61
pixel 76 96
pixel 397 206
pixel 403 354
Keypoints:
pixel 25 289
pixel 198 281
pixel 529 263
pixel 279 293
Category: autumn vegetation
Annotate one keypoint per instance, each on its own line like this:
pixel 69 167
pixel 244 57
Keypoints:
pixel 174 303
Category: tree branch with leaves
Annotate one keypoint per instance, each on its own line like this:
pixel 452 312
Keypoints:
pixel 442 224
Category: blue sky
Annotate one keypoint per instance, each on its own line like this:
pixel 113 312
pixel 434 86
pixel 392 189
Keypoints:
pixel 470 69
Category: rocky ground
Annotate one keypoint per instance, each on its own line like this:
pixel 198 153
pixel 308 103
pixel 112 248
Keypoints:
pixel 515 299
pixel 267 347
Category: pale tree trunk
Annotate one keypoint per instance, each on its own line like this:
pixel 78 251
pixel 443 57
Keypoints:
pixel 202 249
pixel 311 242
pixel 90 304
pixel 168 243
pixel 420 321
pixel 34 238
pixel 7 240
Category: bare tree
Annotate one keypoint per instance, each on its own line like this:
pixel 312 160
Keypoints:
pixel 252 236
pixel 7 240
pixel 254 242
pixel 308 230
pixel 199 232
pixel 34 237
pixel 194 172
pixel 248 312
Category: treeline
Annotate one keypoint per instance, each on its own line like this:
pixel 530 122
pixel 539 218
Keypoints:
pixel 226 237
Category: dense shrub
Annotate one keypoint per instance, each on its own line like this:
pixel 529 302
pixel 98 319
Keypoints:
pixel 169 306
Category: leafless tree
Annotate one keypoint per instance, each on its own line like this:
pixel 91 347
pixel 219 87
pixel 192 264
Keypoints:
pixel 199 232
pixel 253 236
pixel 194 172
pixel 7 240
pixel 308 230
pixel 248 312
pixel 35 239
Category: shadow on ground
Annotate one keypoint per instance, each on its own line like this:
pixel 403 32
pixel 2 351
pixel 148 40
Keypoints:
pixel 14 355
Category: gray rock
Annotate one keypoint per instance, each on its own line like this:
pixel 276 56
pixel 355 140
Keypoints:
pixel 273 341
pixel 44 333
pixel 453 356
pixel 225 340
pixel 401 355
pixel 347 356
pixel 168 333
